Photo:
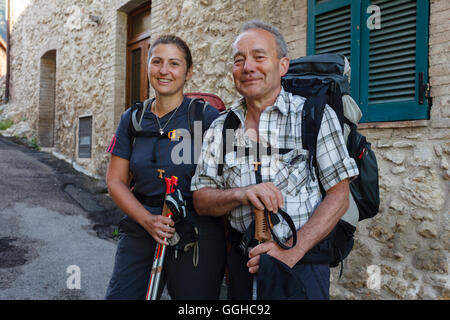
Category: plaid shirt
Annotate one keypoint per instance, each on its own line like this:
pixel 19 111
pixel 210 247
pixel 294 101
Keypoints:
pixel 279 127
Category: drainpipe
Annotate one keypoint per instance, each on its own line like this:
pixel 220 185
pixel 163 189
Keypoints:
pixel 8 19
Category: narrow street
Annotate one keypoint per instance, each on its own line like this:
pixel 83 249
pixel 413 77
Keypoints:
pixel 57 228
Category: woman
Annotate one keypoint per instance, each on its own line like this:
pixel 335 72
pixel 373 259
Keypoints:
pixel 195 274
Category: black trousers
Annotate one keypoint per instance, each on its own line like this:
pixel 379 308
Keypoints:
pixel 303 281
pixel 134 258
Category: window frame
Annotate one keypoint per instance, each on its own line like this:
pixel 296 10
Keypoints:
pixel 85 150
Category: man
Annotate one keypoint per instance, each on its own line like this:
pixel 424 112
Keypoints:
pixel 270 115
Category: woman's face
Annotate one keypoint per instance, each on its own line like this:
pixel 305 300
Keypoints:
pixel 167 70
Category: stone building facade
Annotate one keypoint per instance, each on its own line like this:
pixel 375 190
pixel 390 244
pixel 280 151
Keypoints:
pixel 69 63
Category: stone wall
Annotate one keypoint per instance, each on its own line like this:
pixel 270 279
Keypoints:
pixel 409 239
pixel 84 53
pixel 407 243
pixel 89 38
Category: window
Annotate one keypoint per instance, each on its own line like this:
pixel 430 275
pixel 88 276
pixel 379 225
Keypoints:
pixel 85 137
pixel 136 60
pixel 389 61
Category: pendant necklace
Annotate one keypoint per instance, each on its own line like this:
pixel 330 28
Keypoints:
pixel 161 129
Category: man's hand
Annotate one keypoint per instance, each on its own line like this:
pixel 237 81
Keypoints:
pixel 272 249
pixel 263 195
pixel 321 223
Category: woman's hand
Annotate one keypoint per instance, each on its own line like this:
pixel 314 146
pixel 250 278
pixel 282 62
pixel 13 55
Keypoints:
pixel 159 227
pixel 117 179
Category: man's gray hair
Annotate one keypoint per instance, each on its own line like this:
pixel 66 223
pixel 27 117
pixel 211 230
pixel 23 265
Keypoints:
pixel 257 24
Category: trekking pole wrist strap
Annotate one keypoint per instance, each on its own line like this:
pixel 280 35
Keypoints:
pixel 291 225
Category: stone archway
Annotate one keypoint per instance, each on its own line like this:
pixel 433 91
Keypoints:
pixel 47 84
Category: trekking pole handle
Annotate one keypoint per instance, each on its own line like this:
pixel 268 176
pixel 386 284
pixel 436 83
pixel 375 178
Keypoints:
pixel 262 232
pixel 171 183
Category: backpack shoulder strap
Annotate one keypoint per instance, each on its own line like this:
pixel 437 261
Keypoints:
pixel 137 114
pixel 134 125
pixel 196 110
pixel 336 103
pixel 312 115
pixel 232 121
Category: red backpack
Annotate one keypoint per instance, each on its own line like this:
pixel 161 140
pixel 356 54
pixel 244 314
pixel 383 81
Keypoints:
pixel 212 99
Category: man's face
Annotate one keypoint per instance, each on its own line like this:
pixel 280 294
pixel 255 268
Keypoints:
pixel 257 69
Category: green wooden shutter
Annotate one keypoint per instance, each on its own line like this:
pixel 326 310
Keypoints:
pixel 333 30
pixel 385 63
pixel 333 27
pixel 392 53
pixel 390 92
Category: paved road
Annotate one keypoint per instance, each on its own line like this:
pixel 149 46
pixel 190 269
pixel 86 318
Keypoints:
pixel 52 218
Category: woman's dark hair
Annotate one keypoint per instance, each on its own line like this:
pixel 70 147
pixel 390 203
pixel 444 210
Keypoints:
pixel 171 39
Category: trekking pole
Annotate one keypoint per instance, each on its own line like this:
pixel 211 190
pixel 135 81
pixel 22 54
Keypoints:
pixel 262 234
pixel 158 259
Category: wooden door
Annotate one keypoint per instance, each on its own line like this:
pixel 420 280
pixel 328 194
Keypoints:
pixel 137 50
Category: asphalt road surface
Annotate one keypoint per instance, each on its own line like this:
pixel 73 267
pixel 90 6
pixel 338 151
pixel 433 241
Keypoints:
pixel 56 228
